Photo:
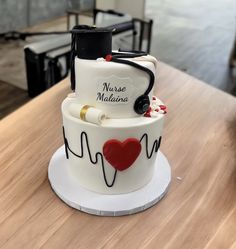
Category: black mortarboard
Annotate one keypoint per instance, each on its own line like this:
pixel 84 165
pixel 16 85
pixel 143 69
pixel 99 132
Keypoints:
pixel 92 43
pixel 89 43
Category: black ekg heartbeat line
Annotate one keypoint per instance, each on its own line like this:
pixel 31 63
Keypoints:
pixel 83 135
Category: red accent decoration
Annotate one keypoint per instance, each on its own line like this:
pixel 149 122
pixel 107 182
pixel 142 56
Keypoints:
pixel 121 155
pixel 148 112
pixel 108 57
pixel 163 107
pixel 147 115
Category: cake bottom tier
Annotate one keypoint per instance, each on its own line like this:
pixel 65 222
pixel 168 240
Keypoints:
pixel 117 157
pixel 90 202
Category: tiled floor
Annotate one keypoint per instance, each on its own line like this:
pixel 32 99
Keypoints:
pixel 195 36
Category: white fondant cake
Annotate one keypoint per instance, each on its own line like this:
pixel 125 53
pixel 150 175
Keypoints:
pixel 87 140
pixel 112 125
pixel 112 87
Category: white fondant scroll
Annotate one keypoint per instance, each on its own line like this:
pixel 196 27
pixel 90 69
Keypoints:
pixel 91 114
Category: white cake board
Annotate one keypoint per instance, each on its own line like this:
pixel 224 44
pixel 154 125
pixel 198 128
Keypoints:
pixel 69 190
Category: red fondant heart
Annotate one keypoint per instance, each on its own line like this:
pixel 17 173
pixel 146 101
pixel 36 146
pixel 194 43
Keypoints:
pixel 121 155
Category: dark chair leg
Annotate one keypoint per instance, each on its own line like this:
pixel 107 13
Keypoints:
pixel 68 21
pixel 141 35
pixel 134 33
pixel 149 35
pixel 95 11
pixel 232 59
pixel 76 19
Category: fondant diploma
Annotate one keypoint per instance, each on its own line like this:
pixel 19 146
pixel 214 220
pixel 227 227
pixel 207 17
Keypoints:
pixel 86 113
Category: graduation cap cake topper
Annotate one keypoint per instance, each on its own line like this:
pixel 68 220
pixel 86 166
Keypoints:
pixel 89 42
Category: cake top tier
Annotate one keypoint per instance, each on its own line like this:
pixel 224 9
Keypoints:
pixel 118 89
pixel 119 83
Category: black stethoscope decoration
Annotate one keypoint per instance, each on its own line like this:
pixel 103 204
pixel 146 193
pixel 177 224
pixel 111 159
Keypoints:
pixel 86 48
pixel 142 103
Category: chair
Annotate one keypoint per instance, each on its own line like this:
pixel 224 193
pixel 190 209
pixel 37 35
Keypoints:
pixel 120 22
pixel 47 62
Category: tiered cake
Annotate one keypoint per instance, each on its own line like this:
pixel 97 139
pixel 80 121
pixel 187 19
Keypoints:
pixel 112 123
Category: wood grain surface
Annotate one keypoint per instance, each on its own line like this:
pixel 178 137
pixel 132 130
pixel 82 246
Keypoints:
pixel 199 210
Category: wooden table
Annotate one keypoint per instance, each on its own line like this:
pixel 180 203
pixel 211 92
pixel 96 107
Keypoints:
pixel 199 210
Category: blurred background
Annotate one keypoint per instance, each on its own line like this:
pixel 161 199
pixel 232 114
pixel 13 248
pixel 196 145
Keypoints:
pixel 194 36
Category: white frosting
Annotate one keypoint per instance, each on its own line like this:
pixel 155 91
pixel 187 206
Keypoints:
pixel 147 58
pixel 112 87
pixel 90 175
